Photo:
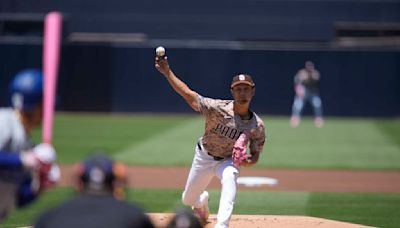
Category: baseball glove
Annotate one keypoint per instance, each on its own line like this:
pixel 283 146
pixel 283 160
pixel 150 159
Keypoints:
pixel 239 153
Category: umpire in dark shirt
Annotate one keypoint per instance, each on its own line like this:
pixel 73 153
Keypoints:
pixel 99 204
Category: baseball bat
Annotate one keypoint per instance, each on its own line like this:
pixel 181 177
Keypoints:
pixel 51 52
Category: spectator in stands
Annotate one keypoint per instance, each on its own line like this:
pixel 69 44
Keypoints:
pixel 100 182
pixel 306 86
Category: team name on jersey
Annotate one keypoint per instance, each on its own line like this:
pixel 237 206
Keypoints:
pixel 226 131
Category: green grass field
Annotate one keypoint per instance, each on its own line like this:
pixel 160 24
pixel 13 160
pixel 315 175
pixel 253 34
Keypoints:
pixel 356 144
pixel 368 144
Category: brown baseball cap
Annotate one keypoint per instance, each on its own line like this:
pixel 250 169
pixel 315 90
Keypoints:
pixel 242 79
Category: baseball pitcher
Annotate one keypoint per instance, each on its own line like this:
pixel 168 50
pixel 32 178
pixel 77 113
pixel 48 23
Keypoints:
pixel 230 128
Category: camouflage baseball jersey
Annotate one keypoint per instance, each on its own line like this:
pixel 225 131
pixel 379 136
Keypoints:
pixel 223 127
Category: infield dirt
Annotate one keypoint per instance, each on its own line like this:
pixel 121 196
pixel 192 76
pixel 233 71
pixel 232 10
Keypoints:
pixel 261 221
pixel 288 180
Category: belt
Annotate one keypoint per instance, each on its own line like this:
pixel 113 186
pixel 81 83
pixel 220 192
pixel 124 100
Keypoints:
pixel 216 158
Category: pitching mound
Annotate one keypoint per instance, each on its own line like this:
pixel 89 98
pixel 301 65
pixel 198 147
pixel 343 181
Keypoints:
pixel 259 221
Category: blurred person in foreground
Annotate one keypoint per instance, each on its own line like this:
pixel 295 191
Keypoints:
pixel 100 184
pixel 26 170
pixel 306 87
pixel 184 218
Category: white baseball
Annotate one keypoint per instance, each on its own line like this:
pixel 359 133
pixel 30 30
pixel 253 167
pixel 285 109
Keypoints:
pixel 160 51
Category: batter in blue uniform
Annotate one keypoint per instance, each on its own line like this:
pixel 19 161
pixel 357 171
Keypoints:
pixel 25 169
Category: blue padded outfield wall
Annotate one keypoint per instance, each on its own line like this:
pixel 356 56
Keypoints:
pixel 123 79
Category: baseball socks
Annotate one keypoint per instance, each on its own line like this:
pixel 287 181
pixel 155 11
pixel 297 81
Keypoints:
pixel 203 212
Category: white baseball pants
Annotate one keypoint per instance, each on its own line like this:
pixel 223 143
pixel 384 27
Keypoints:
pixel 203 169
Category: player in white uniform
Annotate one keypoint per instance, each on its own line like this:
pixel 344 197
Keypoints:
pixel 225 120
pixel 24 168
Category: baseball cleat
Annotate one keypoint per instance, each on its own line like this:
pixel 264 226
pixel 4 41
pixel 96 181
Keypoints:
pixel 319 122
pixel 203 212
pixel 294 121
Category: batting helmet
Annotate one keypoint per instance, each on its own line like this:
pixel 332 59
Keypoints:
pixel 26 90
pixel 100 173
